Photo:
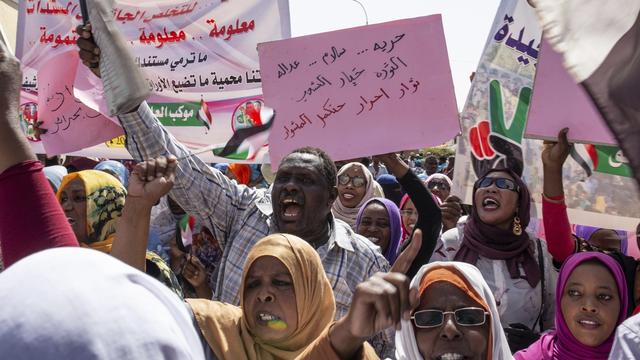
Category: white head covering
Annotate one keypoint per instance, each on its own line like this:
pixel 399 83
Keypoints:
pixel 349 215
pixel 406 346
pixel 75 303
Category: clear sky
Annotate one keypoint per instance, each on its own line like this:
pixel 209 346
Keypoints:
pixel 466 25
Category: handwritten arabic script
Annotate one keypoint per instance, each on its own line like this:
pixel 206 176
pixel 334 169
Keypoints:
pixel 330 86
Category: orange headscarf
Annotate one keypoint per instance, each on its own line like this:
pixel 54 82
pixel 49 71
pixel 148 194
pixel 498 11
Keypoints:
pixel 452 276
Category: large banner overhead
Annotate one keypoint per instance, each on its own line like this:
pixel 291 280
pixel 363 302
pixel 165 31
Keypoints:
pixel 199 59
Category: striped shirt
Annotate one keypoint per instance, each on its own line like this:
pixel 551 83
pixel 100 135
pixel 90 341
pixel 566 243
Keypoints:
pixel 240 216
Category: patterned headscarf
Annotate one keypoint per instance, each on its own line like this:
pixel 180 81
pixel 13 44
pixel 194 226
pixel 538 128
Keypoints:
pixel 105 201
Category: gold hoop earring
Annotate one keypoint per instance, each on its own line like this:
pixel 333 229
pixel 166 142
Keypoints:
pixel 517 228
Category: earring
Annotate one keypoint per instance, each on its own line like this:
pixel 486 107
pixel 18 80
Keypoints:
pixel 517 228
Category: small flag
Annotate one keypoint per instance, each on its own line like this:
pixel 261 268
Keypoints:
pixel 186 229
pixel 601 158
pixel 204 115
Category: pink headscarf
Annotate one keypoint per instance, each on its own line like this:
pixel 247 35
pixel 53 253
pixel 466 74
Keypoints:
pixel 561 344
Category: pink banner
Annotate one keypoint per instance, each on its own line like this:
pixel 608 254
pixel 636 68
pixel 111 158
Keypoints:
pixel 559 102
pixel 347 91
pixel 69 123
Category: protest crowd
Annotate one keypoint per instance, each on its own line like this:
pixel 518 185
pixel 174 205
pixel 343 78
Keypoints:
pixel 167 256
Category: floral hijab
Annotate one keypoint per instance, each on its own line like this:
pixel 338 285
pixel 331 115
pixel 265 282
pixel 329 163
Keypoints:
pixel 105 201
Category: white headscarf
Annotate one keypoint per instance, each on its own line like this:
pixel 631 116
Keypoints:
pixel 76 303
pixel 349 215
pixel 406 345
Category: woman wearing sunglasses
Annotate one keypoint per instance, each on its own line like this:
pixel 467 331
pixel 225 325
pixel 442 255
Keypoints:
pixel 516 265
pixel 356 186
pixel 456 318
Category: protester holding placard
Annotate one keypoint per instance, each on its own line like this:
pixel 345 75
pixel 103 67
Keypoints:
pixel 560 238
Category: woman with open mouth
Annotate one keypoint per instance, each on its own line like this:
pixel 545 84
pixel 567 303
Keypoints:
pixel 456 319
pixel 516 265
pixel 356 186
pixel 591 303
pixel 286 303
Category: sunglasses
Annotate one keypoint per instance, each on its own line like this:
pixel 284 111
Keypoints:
pixel 357 181
pixel 470 316
pixel 437 184
pixel 501 183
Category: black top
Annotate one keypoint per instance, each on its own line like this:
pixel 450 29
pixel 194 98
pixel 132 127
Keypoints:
pixel 429 220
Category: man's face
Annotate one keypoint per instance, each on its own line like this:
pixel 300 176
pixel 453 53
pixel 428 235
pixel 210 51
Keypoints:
pixel 301 197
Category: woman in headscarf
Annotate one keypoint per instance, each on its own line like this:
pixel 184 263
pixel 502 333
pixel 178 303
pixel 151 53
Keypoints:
pixel 559 235
pixel 285 304
pixel 516 265
pixel 93 202
pixel 94 307
pixel 439 185
pixel 426 214
pixel 591 303
pixel 472 330
pixel 55 174
pixel 116 169
pixel 355 187
pixel 379 221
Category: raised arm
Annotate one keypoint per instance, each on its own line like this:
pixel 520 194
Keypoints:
pixel 199 189
pixel 379 303
pixel 149 181
pixel 557 228
pixel 429 214
pixel 33 220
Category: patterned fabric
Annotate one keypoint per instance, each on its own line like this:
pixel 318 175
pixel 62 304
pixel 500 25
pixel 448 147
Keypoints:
pixel 105 201
pixel 160 270
pixel 239 216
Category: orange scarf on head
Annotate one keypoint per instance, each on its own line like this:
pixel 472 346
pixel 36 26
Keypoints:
pixel 452 276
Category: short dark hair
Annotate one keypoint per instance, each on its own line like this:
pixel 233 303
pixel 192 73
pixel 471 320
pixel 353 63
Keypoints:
pixel 328 168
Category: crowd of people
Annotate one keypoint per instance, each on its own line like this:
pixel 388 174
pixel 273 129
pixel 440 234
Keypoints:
pixel 364 259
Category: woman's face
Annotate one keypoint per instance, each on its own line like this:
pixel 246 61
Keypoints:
pixel 74 203
pixel 605 240
pixel 496 206
pixel 270 300
pixel 352 185
pixel 439 188
pixel 450 340
pixel 590 304
pixel 409 215
pixel 375 225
